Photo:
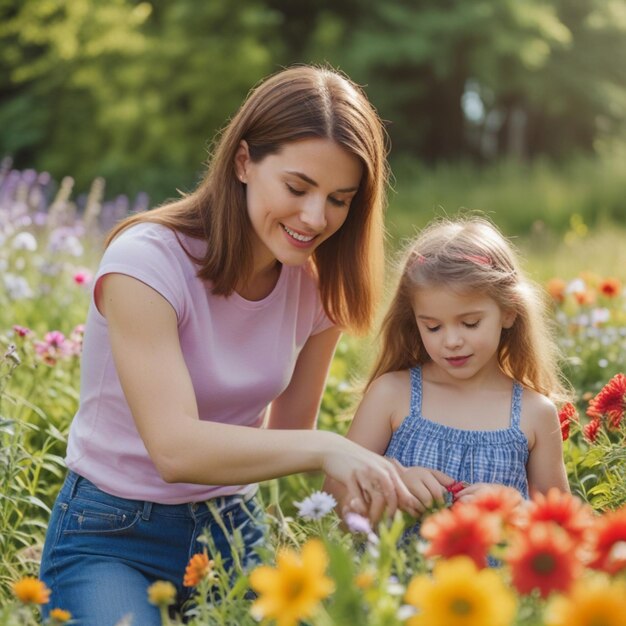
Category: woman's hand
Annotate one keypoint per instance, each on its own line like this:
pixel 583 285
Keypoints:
pixel 372 483
pixel 427 485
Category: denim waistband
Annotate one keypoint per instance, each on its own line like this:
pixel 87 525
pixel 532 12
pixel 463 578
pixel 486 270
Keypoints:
pixel 187 509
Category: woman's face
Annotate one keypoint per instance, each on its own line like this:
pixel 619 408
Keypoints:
pixel 297 198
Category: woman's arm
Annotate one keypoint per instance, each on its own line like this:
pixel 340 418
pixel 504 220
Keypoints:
pixel 386 401
pixel 157 385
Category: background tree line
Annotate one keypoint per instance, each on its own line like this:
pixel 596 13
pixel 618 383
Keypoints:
pixel 133 91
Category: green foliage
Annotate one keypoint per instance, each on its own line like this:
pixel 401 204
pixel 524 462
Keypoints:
pixel 133 91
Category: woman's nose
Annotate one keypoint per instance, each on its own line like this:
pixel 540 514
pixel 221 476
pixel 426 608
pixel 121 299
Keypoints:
pixel 313 213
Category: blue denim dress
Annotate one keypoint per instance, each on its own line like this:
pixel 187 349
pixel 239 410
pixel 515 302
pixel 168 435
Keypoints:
pixel 471 456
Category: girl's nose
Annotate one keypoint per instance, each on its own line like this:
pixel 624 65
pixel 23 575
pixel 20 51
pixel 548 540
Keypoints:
pixel 453 339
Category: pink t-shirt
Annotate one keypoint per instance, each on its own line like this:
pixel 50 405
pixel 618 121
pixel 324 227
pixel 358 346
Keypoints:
pixel 240 355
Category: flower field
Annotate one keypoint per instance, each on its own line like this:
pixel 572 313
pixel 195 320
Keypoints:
pixel 557 560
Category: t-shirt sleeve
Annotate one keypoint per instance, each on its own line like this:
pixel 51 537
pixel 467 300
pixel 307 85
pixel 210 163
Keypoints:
pixel 150 253
pixel 322 322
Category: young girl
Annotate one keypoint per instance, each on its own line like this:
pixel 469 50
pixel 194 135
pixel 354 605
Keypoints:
pixel 208 341
pixel 464 385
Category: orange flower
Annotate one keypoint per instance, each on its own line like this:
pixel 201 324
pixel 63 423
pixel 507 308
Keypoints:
pixel 59 616
pixel 567 414
pixel 31 590
pixel 610 287
pixel 543 558
pixel 463 529
pixel 610 401
pixel 505 502
pixel 590 430
pixel 198 568
pixel 609 542
pixel 556 289
pixel 570 513
pixel 584 297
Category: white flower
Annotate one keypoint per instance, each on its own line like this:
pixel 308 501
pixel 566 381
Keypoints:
pixel 17 287
pixel 316 505
pixel 24 241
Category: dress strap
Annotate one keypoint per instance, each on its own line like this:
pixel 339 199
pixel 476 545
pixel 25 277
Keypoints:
pixel 416 390
pixel 516 405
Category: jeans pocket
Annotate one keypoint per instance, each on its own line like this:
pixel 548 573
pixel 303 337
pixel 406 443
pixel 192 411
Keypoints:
pixel 88 515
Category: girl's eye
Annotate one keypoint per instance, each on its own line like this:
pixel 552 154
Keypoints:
pixel 432 329
pixel 472 325
pixel 294 191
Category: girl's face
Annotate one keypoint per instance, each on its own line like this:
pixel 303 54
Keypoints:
pixel 297 198
pixel 460 331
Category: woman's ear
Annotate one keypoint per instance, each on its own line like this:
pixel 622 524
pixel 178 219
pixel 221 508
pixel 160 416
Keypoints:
pixel 242 159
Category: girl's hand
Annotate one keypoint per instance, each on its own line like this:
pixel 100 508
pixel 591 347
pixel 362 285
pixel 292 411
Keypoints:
pixel 426 484
pixel 373 484
pixel 469 493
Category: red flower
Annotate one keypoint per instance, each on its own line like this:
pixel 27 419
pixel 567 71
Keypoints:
pixel 563 509
pixel 610 287
pixel 590 430
pixel 609 542
pixel 463 529
pixel 505 502
pixel 610 401
pixel 543 558
pixel 567 414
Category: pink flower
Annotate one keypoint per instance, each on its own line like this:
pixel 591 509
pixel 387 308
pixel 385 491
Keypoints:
pixel 83 277
pixel 21 331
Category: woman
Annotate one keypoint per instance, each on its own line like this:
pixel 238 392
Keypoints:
pixel 213 316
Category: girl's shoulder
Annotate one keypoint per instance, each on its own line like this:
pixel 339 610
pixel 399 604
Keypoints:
pixel 539 415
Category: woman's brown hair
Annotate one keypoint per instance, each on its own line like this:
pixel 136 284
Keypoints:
pixel 294 104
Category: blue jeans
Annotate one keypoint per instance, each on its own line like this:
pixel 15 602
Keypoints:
pixel 103 552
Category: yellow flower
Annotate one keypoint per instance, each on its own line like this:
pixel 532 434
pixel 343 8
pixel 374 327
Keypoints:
pixel 31 590
pixel 161 593
pixel 292 590
pixel 596 602
pixel 460 594
pixel 59 616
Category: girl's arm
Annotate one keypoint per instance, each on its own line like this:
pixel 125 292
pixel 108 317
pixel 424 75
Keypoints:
pixel 372 428
pixel 153 374
pixel 545 465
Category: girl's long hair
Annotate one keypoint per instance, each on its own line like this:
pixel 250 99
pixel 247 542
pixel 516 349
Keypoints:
pixel 294 104
pixel 470 255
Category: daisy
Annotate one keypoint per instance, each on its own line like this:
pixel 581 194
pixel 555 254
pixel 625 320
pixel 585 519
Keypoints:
pixel 591 429
pixel 161 593
pixel 292 590
pixel 542 558
pixel 316 506
pixel 460 594
pixel 463 529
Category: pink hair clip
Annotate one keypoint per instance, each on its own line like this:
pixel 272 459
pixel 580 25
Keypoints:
pixel 418 259
pixel 478 258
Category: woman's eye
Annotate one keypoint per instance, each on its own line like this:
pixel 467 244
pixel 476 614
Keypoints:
pixel 337 202
pixel 294 191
